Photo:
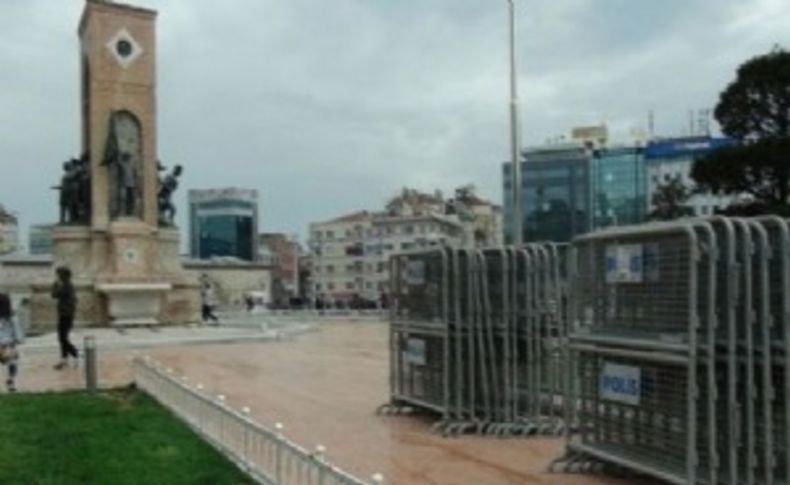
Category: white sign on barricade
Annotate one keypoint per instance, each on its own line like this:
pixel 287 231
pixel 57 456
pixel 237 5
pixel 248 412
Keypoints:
pixel 624 263
pixel 415 351
pixel 415 272
pixel 621 383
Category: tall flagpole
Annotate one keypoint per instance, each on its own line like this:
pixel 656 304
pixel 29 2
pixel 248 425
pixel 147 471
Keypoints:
pixel 518 234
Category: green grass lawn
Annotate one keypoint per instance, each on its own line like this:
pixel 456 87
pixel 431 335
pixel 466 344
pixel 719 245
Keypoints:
pixel 113 438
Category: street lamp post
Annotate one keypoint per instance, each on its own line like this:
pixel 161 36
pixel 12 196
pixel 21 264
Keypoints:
pixel 518 233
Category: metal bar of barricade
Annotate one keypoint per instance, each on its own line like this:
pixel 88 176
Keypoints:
pixel 780 301
pixel 764 321
pixel 748 318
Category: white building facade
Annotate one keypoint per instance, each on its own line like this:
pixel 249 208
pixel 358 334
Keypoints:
pixel 350 254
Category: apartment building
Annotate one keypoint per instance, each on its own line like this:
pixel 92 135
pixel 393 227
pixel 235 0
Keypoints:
pixel 350 254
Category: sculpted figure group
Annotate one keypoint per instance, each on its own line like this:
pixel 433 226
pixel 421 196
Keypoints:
pixel 75 192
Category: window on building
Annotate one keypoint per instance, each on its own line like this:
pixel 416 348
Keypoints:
pixel 369 285
pixel 330 234
pixel 318 287
pixel 422 229
pixel 408 229
pixel 317 235
pixel 380 267
pixel 330 268
pixel 330 286
pixel 406 246
pixel 350 285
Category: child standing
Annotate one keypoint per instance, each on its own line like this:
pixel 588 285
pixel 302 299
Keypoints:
pixel 10 336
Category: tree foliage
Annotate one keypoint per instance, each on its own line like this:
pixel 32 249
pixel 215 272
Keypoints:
pixel 754 110
pixel 669 201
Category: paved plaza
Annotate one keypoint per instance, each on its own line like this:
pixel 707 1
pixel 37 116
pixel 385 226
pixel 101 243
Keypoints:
pixel 324 386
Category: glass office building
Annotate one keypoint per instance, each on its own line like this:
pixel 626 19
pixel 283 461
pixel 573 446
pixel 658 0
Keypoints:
pixel 670 158
pixel 556 199
pixel 618 186
pixel 223 222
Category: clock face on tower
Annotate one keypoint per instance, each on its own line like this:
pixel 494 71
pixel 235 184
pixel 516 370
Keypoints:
pixel 124 48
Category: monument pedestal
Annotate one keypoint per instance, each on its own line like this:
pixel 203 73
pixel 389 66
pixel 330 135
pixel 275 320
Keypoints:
pixel 134 303
pixel 129 274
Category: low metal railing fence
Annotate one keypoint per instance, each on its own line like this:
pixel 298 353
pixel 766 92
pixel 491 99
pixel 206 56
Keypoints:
pixel 264 454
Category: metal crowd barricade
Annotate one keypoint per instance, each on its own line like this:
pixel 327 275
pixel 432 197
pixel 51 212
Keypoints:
pixel 477 337
pixel 679 351
pixel 264 454
pixel 643 306
pixel 419 339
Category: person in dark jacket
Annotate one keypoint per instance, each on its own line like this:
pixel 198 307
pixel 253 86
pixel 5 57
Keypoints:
pixel 63 292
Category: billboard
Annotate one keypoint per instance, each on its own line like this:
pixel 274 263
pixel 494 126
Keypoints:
pixel 684 147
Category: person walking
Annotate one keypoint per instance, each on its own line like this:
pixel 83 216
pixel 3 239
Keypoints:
pixel 11 334
pixel 63 292
pixel 208 301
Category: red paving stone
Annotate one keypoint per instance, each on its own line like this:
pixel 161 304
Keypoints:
pixel 325 387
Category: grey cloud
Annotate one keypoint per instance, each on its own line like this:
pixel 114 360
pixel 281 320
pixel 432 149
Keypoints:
pixel 328 107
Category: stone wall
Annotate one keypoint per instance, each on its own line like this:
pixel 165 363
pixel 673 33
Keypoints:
pixel 32 277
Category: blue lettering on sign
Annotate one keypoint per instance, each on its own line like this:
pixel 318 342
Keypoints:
pixel 621 385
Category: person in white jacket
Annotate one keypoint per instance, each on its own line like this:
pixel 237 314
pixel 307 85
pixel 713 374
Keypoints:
pixel 11 335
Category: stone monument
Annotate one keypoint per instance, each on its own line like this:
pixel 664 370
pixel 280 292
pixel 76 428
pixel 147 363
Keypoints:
pixel 122 249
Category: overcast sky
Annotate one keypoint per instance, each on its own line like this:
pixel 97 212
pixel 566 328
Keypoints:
pixel 330 106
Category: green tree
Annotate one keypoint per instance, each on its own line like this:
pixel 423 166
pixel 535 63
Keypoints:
pixel 669 201
pixel 754 110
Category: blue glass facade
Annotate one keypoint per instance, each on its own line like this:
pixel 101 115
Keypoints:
pixel 223 223
pixel 556 195
pixel 618 187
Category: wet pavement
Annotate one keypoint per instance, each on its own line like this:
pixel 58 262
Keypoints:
pixel 325 387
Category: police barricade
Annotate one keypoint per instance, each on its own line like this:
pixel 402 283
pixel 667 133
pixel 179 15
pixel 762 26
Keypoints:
pixel 679 350
pixel 642 340
pixel 477 336
pixel 419 333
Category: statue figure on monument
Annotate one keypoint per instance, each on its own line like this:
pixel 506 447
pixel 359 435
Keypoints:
pixel 122 155
pixel 67 190
pixel 167 210
pixel 74 190
pixel 83 179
